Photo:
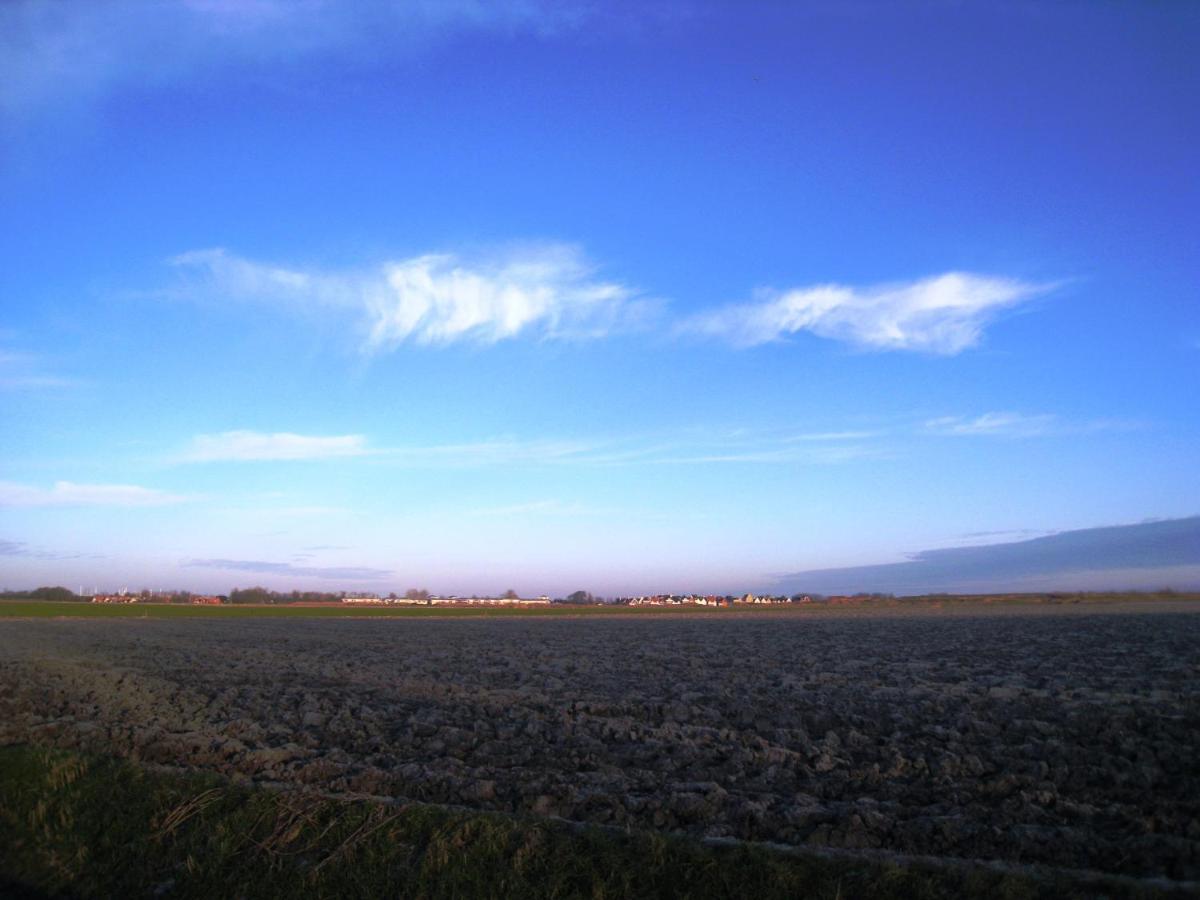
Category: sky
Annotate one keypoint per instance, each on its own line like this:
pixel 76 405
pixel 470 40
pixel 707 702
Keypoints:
pixel 621 297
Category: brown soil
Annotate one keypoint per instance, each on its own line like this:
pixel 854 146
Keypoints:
pixel 1059 735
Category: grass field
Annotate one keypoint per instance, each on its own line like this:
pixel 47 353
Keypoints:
pixel 199 836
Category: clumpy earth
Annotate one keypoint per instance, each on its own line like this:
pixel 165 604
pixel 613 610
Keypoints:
pixel 1064 736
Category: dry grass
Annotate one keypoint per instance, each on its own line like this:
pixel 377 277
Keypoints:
pixel 194 836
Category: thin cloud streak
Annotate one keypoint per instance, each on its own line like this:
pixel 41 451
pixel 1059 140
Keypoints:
pixel 993 424
pixel 34 382
pixel 941 315
pixel 813 456
pixel 21 371
pixel 67 493
pixel 835 436
pixel 256 446
pixel 263 567
pixel 740 446
pixel 628 452
pixel 24 551
pixel 1020 425
pixel 61 54
pixel 810 448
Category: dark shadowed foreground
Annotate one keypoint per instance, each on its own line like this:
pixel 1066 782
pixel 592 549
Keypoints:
pixel 194 835
pixel 1060 736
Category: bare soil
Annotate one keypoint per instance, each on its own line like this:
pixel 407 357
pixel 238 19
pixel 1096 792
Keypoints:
pixel 1058 735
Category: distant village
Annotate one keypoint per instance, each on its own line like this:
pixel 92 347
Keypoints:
pixel 261 596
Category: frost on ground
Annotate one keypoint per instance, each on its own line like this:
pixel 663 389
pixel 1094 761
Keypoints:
pixel 1064 736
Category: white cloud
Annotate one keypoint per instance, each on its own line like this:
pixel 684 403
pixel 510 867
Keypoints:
pixel 240 278
pixel 67 493
pixel 241 446
pixel 54 52
pixel 546 291
pixel 944 314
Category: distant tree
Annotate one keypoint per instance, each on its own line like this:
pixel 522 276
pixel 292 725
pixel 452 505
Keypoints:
pixel 510 594
pixel 418 594
pixel 259 595
pixel 57 594
pixel 580 597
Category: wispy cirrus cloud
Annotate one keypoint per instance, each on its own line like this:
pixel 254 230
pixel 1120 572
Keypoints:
pixel 498 452
pixel 551 291
pixel 688 448
pixel 682 449
pixel 24 551
pixel 264 567
pixel 815 456
pixel 25 371
pixel 258 446
pixel 994 424
pixel 67 493
pixel 34 382
pixel 546 291
pixel 943 315
pixel 1020 425
pixel 53 53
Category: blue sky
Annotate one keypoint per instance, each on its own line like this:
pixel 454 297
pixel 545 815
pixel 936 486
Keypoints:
pixel 621 297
